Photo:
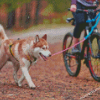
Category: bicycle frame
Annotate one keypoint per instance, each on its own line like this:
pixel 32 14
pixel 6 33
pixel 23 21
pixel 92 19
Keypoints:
pixel 91 41
pixel 89 33
pixel 86 42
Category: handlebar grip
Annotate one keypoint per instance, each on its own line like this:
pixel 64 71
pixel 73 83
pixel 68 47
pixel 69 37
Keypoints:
pixel 77 10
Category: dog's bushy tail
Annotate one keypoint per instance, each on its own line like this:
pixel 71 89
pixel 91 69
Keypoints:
pixel 3 35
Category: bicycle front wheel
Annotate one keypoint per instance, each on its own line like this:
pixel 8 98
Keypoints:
pixel 94 56
pixel 72 62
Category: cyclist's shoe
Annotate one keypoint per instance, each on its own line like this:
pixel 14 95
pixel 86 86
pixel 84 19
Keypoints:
pixel 75 50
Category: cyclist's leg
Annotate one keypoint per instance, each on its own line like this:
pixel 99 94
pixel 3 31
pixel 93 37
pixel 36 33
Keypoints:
pixel 80 25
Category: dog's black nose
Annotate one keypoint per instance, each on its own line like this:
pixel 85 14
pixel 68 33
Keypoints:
pixel 50 55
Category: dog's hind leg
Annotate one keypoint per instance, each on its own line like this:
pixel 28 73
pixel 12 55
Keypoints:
pixel 3 59
pixel 16 68
pixel 21 80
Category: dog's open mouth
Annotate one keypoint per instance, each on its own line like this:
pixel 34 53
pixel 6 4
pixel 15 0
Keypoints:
pixel 43 57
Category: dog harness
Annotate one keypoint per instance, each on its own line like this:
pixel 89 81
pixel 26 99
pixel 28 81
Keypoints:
pixel 10 49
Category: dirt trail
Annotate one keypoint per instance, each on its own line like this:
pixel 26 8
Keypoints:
pixel 50 77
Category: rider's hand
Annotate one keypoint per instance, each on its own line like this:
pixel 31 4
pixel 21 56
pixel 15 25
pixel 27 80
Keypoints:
pixel 73 8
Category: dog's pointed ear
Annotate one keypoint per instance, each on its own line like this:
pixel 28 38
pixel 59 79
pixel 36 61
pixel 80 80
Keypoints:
pixel 45 37
pixel 36 38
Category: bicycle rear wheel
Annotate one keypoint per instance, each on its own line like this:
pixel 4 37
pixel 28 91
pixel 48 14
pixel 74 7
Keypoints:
pixel 72 62
pixel 94 56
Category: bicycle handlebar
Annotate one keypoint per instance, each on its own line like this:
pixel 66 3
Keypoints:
pixel 86 10
pixel 88 21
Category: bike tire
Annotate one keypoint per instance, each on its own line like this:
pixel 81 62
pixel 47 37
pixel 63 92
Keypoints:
pixel 68 59
pixel 93 61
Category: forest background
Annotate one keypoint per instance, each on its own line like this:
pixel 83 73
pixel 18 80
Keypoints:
pixel 21 14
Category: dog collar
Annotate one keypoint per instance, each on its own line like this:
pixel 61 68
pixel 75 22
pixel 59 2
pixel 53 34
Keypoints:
pixel 30 58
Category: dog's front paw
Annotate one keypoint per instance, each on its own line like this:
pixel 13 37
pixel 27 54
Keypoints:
pixel 19 84
pixel 32 86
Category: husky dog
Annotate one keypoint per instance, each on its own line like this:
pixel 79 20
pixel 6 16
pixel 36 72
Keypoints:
pixel 23 53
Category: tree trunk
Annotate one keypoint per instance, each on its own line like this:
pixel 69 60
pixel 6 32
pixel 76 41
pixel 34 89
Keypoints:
pixel 11 19
pixel 37 12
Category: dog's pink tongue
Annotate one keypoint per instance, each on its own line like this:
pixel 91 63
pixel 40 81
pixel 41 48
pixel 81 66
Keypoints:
pixel 44 58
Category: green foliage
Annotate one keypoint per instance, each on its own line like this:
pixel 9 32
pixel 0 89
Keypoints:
pixel 48 10
pixel 46 21
pixel 56 20
pixel 60 5
pixel 13 4
pixel 64 17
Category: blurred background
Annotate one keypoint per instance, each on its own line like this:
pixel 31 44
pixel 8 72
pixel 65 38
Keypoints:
pixel 22 14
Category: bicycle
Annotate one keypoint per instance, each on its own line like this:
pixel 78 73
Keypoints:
pixel 92 60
